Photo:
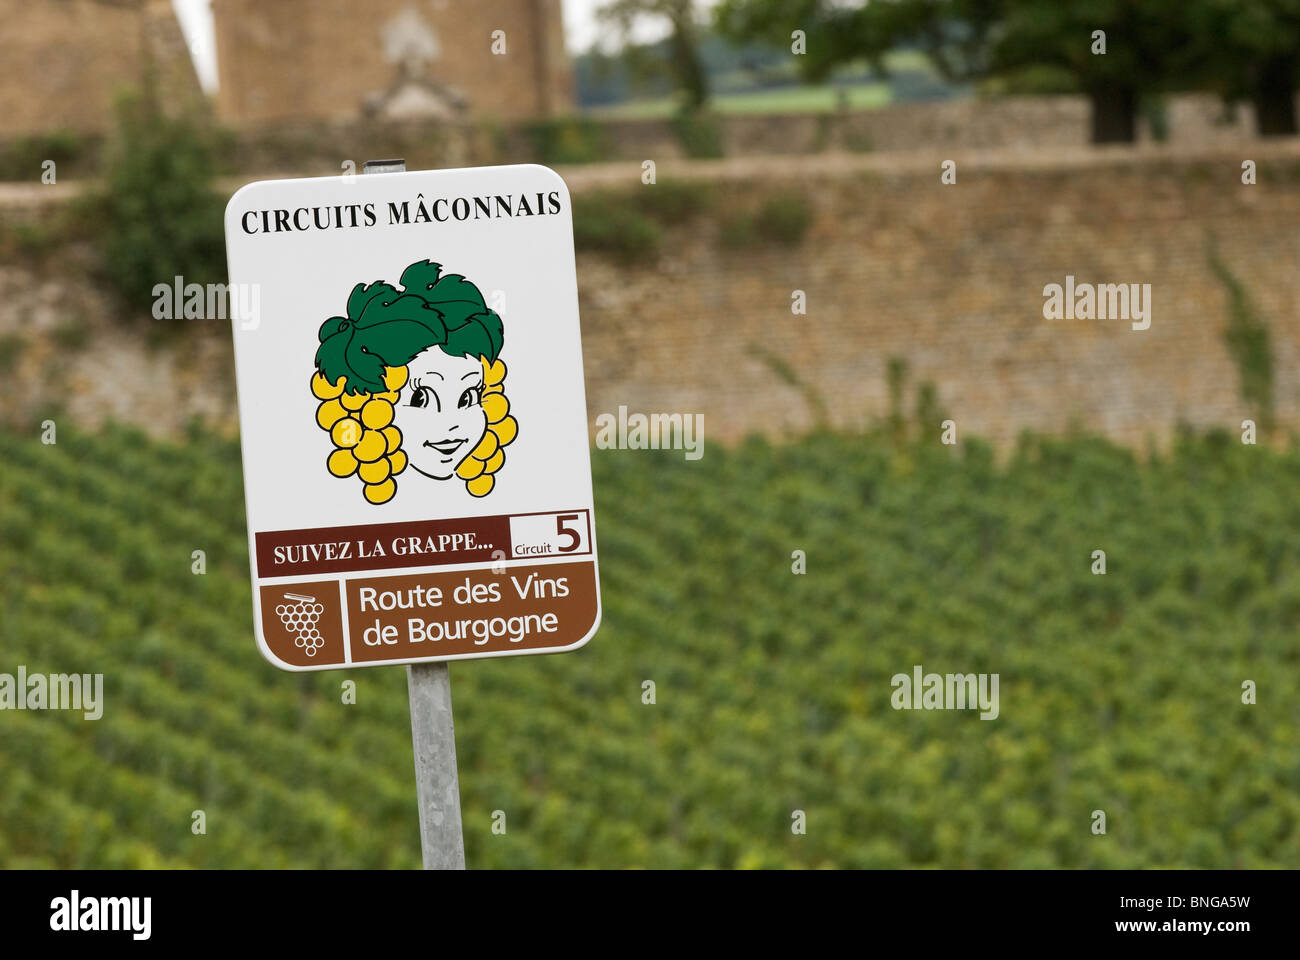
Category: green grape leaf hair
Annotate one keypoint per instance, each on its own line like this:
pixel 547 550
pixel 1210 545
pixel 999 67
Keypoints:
pixel 387 327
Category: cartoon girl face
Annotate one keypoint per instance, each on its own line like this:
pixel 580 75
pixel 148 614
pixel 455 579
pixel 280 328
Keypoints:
pixel 429 389
pixel 440 412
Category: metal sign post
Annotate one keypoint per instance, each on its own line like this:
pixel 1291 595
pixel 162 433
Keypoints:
pixel 437 787
pixel 433 735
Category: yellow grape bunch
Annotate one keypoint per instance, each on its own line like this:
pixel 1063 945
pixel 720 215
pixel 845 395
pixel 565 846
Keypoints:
pixel 361 426
pixel 389 336
pixel 368 444
pixel 490 456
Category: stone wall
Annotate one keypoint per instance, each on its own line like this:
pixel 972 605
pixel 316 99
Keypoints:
pixel 65 61
pixel 950 279
pixel 1022 123
pixel 1013 123
pixel 306 144
pixel 894 264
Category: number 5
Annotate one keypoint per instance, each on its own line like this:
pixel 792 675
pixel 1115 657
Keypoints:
pixel 575 538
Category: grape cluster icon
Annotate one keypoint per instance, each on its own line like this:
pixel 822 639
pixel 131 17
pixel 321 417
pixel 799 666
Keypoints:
pixel 301 618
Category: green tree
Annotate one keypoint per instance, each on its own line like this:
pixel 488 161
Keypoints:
pixel 1148 43
pixel 1252 48
pixel 685 64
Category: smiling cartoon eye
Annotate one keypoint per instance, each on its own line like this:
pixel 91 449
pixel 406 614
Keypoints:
pixel 420 397
pixel 470 397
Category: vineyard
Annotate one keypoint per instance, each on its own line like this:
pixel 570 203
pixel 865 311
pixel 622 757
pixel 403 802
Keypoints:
pixel 1119 692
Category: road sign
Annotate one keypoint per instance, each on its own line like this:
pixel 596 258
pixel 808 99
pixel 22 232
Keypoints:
pixel 414 428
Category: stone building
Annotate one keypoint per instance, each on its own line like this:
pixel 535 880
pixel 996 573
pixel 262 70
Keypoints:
pixel 64 61
pixel 340 60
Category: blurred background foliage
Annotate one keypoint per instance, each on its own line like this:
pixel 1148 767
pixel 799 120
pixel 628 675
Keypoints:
pixel 158 215
pixel 1119 692
pixel 1117 52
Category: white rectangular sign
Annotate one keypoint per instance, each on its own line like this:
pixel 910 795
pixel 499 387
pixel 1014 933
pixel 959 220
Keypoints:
pixel 413 416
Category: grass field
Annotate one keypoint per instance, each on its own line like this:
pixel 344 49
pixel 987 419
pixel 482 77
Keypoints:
pixel 801 99
pixel 1119 692
pixel 734 93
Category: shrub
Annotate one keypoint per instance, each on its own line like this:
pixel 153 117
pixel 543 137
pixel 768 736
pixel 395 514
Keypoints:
pixel 158 215
pixel 27 239
pixel 568 140
pixel 784 219
pixel 12 346
pixel 674 202
pixel 626 223
pixel 1247 338
pixel 614 228
pixel 736 230
pixel 1155 111
pixel 699 133
pixel 781 220
pixel 22 159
